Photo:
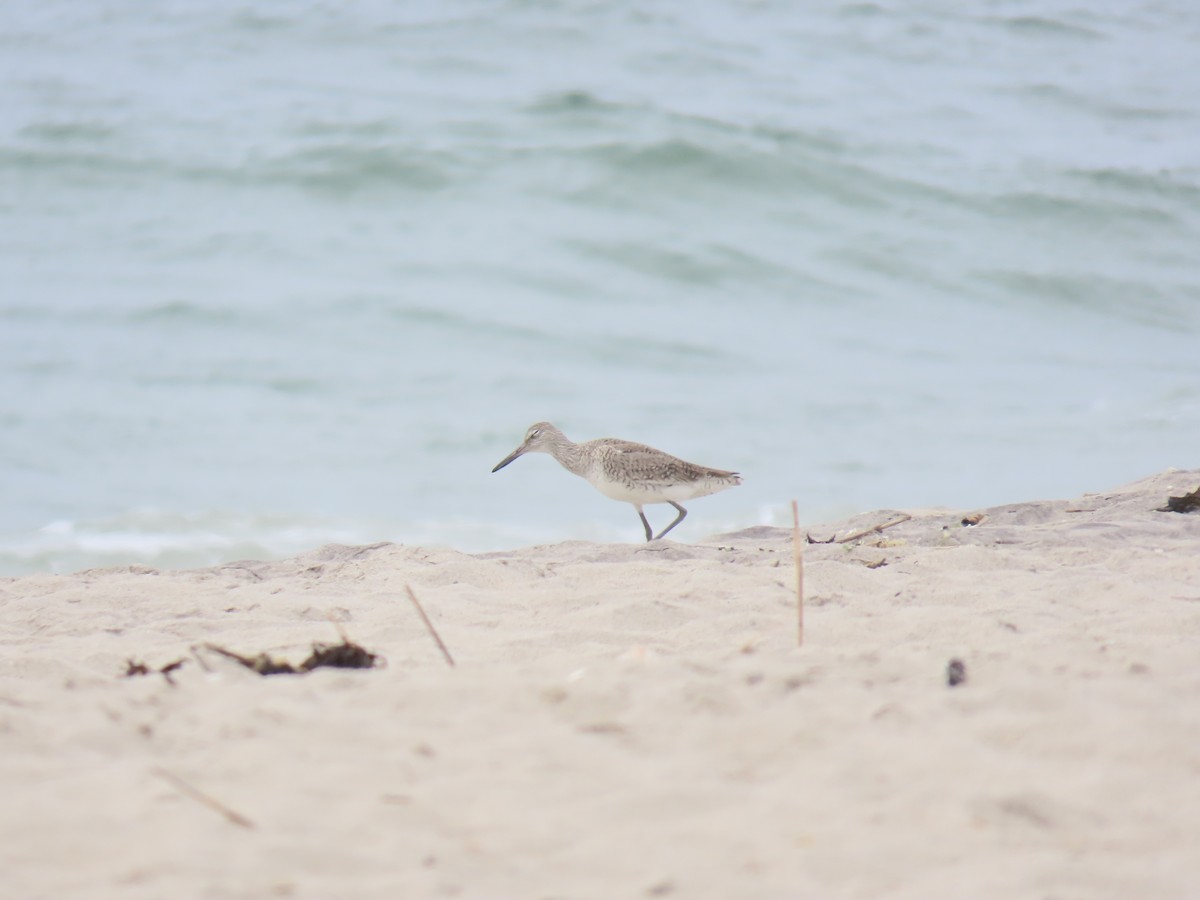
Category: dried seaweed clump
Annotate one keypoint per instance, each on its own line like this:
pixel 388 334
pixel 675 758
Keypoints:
pixel 135 667
pixel 346 655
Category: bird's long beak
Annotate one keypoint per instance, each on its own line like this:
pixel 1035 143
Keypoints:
pixel 504 462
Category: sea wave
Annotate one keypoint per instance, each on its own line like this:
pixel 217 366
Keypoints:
pixel 158 538
pixel 283 258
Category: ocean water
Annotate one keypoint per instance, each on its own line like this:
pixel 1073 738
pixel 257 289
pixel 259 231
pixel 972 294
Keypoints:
pixel 277 274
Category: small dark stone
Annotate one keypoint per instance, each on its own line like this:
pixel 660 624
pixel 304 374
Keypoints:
pixel 956 672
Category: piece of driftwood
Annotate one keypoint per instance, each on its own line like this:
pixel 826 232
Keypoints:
pixel 1185 504
pixel 874 529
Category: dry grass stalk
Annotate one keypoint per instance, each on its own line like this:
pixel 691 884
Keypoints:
pixel 875 529
pixel 429 625
pixel 199 796
pixel 798 553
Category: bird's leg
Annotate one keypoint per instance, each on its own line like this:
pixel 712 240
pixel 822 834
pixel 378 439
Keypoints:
pixel 678 519
pixel 646 525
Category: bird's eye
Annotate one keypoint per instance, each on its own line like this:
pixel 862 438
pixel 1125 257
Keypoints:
pixel 535 432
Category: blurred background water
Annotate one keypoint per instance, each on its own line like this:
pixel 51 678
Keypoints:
pixel 276 274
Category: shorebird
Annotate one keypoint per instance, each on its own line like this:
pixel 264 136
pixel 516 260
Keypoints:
pixel 625 471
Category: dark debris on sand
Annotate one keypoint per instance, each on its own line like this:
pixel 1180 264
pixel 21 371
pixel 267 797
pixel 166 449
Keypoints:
pixel 1185 504
pixel 956 672
pixel 346 655
pixel 137 667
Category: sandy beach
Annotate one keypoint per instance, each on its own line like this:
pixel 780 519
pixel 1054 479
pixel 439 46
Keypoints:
pixel 628 720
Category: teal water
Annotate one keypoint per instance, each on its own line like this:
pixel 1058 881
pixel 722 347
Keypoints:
pixel 279 274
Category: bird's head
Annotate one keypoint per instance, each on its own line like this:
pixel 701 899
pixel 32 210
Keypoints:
pixel 539 438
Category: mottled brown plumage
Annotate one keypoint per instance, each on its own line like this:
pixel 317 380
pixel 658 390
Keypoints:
pixel 627 471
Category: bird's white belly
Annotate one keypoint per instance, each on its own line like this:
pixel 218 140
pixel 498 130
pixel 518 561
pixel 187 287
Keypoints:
pixel 650 493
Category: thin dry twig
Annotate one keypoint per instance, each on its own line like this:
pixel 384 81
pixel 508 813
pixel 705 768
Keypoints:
pixel 798 554
pixel 903 517
pixel 196 655
pixel 337 626
pixel 263 664
pixel 200 797
pixel 429 625
pixel 170 667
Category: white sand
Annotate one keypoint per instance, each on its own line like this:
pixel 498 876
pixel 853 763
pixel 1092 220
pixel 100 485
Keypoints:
pixel 629 721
